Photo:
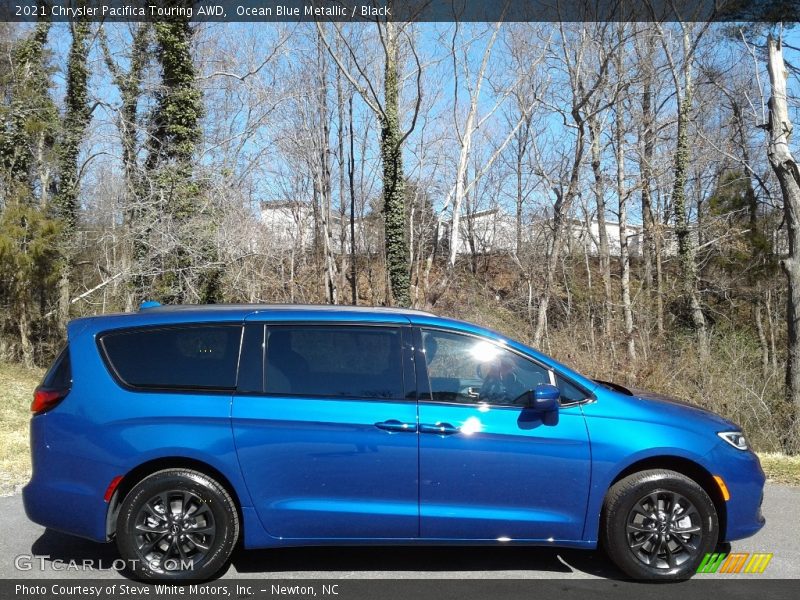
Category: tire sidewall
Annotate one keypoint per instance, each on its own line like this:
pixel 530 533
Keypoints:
pixel 210 492
pixel 617 516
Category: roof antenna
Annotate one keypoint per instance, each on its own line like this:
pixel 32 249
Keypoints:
pixel 149 304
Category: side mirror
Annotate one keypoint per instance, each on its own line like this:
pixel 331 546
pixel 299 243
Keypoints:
pixel 544 398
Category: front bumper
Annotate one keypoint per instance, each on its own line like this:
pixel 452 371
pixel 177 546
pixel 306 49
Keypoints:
pixel 745 479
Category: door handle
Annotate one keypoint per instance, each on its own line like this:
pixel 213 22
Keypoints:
pixel 439 428
pixel 396 426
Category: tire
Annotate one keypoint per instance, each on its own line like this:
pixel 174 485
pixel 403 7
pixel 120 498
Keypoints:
pixel 192 540
pixel 640 533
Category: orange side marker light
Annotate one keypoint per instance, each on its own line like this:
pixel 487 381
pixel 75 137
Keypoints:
pixel 726 495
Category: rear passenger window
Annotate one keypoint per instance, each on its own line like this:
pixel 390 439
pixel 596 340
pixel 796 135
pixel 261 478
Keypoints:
pixel 202 357
pixel 353 362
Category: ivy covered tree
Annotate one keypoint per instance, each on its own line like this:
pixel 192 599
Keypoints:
pixel 129 82
pixel 394 212
pixel 29 120
pixel 189 270
pixel 29 125
pixel 76 119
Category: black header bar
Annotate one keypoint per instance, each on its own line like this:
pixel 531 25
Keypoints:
pixel 400 10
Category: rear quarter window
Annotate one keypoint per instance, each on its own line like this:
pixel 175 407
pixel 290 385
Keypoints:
pixel 192 357
pixel 59 375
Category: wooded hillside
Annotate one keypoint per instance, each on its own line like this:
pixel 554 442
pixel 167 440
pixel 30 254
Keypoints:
pixel 138 161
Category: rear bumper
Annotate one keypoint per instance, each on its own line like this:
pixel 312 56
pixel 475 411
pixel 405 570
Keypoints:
pixel 64 493
pixel 745 481
pixel 69 512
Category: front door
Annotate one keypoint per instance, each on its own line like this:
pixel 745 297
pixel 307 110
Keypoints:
pixel 325 435
pixel 489 468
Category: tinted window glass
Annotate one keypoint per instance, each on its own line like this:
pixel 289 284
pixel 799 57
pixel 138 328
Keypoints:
pixel 191 357
pixel 569 392
pixel 354 362
pixel 59 376
pixel 467 369
pixel 251 363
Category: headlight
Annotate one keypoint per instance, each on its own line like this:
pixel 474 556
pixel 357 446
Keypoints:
pixel 734 438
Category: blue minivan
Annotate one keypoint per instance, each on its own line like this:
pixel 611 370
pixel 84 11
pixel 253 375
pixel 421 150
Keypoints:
pixel 181 431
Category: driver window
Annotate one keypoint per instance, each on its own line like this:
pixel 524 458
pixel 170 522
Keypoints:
pixel 466 369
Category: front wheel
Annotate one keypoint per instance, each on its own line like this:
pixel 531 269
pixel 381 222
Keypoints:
pixel 177 524
pixel 658 524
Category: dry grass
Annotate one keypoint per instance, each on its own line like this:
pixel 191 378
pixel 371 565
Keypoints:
pixel 781 468
pixel 17 384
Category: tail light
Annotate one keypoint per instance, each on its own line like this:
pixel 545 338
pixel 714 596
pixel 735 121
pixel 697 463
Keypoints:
pixel 46 398
pixel 56 384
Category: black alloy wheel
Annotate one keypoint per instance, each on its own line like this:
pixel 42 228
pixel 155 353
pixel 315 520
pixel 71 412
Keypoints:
pixel 664 530
pixel 658 525
pixel 177 524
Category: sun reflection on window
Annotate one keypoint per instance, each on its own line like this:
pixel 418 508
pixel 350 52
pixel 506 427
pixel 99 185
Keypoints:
pixel 484 351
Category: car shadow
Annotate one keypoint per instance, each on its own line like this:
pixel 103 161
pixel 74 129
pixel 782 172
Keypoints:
pixel 60 550
pixel 430 560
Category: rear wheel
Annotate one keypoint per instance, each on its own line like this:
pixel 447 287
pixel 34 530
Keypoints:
pixel 177 524
pixel 658 524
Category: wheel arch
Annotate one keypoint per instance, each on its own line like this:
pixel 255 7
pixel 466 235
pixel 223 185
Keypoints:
pixel 687 467
pixel 138 473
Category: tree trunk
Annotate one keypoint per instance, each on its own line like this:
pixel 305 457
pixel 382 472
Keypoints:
pixel 76 119
pixel 651 247
pixel 785 168
pixel 187 272
pixel 647 142
pixel 762 336
pixel 136 222
pixel 771 325
pixel 25 335
pixel 561 208
pixel 460 187
pixel 323 174
pixel 393 178
pixel 518 215
pixel 624 253
pixel 341 158
pixel 600 201
pixel 686 245
pixel 351 168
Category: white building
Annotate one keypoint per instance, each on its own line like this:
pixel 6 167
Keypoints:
pixel 290 224
pixel 495 230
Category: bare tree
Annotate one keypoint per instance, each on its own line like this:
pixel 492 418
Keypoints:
pixel 623 194
pixel 387 110
pixel 786 170
pixel 682 74
pixel 580 53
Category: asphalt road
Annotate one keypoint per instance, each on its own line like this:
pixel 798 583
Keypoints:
pixel 46 548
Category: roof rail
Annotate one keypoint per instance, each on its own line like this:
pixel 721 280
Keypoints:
pixel 149 304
